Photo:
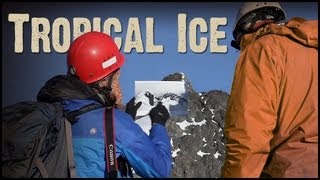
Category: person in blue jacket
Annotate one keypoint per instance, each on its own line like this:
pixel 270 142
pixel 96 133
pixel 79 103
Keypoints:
pixel 94 63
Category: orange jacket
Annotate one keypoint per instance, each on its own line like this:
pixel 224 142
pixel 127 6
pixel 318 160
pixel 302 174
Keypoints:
pixel 272 116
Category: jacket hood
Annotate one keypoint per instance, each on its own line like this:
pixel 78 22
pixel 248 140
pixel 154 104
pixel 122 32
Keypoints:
pixel 65 87
pixel 300 30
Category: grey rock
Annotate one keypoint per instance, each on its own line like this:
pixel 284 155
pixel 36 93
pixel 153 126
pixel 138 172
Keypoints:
pixel 201 148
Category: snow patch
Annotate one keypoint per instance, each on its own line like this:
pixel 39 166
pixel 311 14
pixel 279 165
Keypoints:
pixel 186 134
pixel 217 154
pixel 175 152
pixel 214 121
pixel 200 153
pixel 185 124
pixel 182 76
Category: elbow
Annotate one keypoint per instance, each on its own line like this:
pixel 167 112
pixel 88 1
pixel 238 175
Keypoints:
pixel 165 170
pixel 165 173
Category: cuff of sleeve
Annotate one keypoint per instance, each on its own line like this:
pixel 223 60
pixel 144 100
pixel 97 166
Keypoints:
pixel 157 127
pixel 158 123
pixel 158 133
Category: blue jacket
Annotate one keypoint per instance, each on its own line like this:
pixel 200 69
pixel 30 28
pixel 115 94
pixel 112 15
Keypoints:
pixel 149 156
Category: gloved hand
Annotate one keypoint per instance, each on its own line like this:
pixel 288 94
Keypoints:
pixel 131 109
pixel 159 114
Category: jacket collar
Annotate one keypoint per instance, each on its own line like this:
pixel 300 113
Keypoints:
pixel 302 31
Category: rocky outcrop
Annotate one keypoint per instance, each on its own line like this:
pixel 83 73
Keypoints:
pixel 198 143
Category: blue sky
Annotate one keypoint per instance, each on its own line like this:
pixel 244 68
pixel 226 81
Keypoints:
pixel 25 73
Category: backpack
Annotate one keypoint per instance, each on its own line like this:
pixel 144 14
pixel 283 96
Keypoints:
pixel 37 140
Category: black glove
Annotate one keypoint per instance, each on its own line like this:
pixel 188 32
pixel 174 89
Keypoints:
pixel 132 109
pixel 159 114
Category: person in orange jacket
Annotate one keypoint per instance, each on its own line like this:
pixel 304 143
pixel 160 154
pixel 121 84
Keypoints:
pixel 271 124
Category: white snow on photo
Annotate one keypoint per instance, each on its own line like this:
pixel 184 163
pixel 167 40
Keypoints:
pixel 172 94
pixel 145 123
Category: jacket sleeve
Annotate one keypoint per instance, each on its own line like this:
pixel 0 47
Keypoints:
pixel 251 113
pixel 149 156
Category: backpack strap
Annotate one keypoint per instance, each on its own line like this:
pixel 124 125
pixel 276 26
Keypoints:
pixel 70 119
pixel 111 160
pixel 71 115
pixel 71 165
pixel 42 168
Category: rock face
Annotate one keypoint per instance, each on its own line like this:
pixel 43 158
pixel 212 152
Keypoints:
pixel 198 143
pixel 197 139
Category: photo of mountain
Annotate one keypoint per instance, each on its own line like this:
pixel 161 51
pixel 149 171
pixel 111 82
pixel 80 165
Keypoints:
pixel 196 132
pixel 171 94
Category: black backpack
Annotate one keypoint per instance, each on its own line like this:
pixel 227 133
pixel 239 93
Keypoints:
pixel 37 140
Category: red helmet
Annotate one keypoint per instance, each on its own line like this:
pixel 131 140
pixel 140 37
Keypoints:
pixel 93 56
